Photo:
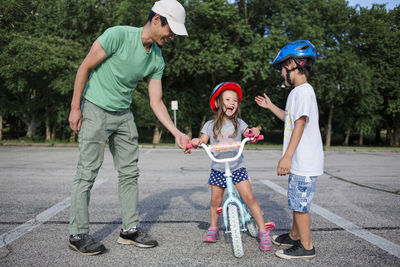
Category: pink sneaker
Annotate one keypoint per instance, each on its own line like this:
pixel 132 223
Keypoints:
pixel 212 235
pixel 265 241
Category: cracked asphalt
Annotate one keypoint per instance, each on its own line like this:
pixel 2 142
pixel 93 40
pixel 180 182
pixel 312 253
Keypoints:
pixel 359 187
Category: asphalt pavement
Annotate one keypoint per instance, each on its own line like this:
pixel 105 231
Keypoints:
pixel 355 211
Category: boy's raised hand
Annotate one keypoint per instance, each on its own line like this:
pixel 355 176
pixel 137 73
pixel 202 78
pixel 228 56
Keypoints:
pixel 263 101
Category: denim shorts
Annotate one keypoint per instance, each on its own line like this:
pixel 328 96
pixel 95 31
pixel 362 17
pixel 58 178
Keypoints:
pixel 300 192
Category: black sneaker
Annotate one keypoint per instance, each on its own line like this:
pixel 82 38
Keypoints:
pixel 137 237
pixel 85 244
pixel 283 240
pixel 297 251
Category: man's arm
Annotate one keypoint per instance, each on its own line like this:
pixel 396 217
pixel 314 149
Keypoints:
pixel 161 112
pixel 95 56
pixel 285 162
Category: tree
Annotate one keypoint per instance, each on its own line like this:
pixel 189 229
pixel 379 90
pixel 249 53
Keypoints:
pixel 197 64
pixel 41 76
pixel 377 34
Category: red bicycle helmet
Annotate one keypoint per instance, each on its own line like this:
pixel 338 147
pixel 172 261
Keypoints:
pixel 222 87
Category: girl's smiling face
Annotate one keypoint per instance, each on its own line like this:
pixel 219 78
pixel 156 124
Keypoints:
pixel 230 102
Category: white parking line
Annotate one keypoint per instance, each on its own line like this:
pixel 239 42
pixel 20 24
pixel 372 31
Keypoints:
pixel 28 226
pixel 378 241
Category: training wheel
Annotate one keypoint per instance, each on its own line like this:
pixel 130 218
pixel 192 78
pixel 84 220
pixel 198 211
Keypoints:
pixel 269 225
pixel 219 210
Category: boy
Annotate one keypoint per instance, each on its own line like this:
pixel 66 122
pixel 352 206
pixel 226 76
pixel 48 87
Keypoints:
pixel 302 145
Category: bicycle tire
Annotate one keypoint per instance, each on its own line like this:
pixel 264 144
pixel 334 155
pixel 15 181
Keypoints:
pixel 235 231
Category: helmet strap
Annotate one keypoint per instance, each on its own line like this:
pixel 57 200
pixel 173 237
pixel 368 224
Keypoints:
pixel 288 73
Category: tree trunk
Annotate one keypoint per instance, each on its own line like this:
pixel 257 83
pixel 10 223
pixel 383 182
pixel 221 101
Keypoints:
pixel 244 6
pixel 53 132
pixel 329 127
pixel 389 136
pixel 188 131
pixel 1 127
pixel 377 136
pixel 347 138
pixel 32 124
pixel 48 134
pixel 203 121
pixel 157 133
pixel 361 139
pixel 396 136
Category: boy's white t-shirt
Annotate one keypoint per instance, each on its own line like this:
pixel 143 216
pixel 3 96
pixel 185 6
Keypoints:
pixel 308 159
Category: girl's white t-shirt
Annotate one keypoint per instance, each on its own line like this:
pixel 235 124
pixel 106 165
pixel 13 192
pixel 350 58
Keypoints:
pixel 308 159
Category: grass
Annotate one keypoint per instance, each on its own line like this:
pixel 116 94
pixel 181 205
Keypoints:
pixel 259 146
pixel 363 148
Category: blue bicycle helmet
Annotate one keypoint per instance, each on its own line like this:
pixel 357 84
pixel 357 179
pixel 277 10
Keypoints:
pixel 298 49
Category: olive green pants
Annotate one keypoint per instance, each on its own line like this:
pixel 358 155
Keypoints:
pixel 119 128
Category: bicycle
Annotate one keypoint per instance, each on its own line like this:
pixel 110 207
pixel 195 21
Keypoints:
pixel 236 214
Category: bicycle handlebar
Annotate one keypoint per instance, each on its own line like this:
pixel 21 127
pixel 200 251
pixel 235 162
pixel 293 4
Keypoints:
pixel 253 138
pixel 250 137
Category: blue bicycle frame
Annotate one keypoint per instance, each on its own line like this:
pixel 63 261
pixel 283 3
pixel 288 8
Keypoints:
pixel 233 196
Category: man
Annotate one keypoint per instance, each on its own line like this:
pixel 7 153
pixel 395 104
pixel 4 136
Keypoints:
pixel 100 110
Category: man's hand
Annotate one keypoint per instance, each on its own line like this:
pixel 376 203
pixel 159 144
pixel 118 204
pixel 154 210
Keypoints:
pixel 284 165
pixel 182 140
pixel 263 101
pixel 75 120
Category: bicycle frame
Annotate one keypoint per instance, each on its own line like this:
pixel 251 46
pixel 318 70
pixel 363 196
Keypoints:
pixel 234 217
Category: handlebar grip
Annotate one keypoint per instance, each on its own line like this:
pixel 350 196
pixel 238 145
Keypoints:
pixel 257 138
pixel 253 139
pixel 190 146
pixel 260 137
pixel 249 134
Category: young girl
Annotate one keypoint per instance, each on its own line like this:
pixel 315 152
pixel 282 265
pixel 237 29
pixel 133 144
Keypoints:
pixel 228 127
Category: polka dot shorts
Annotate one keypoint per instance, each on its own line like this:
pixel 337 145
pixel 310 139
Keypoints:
pixel 217 177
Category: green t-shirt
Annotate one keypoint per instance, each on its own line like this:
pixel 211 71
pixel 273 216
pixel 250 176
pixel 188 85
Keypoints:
pixel 110 84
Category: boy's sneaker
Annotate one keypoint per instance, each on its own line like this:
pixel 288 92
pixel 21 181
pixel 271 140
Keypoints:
pixel 135 236
pixel 212 235
pixel 85 244
pixel 283 240
pixel 297 251
pixel 264 241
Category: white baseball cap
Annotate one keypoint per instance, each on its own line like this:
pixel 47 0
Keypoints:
pixel 175 14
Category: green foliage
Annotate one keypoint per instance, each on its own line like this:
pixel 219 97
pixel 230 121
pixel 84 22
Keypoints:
pixel 42 45
pixel 378 34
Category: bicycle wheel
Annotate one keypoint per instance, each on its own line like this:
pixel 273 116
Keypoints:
pixel 235 231
pixel 252 227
